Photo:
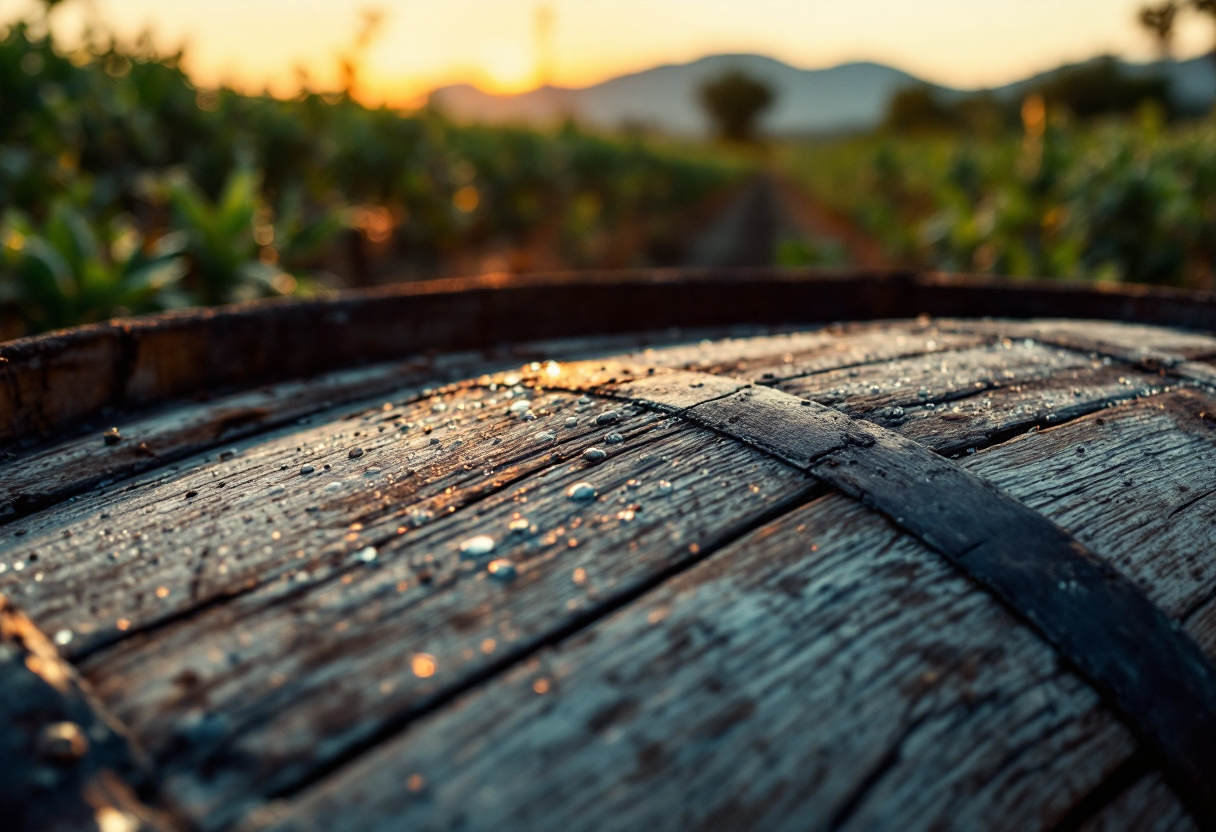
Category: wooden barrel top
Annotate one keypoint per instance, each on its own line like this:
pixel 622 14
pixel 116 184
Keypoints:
pixel 659 551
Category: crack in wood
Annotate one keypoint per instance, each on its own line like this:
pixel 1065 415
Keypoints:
pixel 1098 619
pixel 513 659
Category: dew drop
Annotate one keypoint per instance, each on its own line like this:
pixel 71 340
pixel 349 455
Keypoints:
pixel 419 517
pixel 664 488
pixel 423 665
pixel 501 569
pixel 545 436
pixel 63 637
pixel 519 525
pixel 582 492
pixel 614 438
pixel 477 546
pixel 594 455
pixel 367 555
pixel 608 417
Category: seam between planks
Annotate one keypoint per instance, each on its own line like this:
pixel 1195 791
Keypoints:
pixel 609 605
pixel 338 563
pixel 1154 675
pixel 1172 365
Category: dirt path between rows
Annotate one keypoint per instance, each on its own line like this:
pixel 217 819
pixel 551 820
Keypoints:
pixel 767 210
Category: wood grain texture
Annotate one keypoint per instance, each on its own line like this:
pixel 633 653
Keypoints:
pixel 826 672
pixel 800 353
pixel 244 700
pixel 40 473
pixel 56 471
pixel 215 528
pixel 280 667
pixel 57 380
pixel 1112 438
pixel 1099 620
pixel 1180 354
pixel 67 764
pixel 1148 806
pixel 969 398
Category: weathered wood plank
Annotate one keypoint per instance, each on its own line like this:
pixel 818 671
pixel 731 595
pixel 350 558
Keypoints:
pixel 1130 342
pixel 67 764
pixel 1177 353
pixel 1096 617
pixel 967 399
pixel 276 605
pixel 118 561
pixel 276 703
pixel 800 353
pixel 1136 483
pixel 37 475
pixel 1148 806
pixel 45 475
pixel 936 378
pixel 602 719
pixel 826 672
pixel 61 378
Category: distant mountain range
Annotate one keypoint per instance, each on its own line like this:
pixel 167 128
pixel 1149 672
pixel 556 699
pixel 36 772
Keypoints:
pixel 843 98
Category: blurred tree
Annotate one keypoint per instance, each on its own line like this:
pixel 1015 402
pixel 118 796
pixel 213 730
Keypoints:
pixel 1100 88
pixel 350 63
pixel 983 114
pixel 734 102
pixel 918 109
pixel 1159 21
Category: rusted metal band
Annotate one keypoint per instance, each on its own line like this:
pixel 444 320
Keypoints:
pixel 1154 675
pixel 67 765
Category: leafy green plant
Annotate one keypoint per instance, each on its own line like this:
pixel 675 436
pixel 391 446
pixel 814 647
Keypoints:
pixel 258 191
pixel 67 271
pixel 1125 200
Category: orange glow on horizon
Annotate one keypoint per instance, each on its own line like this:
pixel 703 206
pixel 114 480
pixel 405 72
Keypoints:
pixel 509 46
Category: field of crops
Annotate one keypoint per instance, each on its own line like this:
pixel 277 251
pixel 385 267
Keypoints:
pixel 1131 200
pixel 124 189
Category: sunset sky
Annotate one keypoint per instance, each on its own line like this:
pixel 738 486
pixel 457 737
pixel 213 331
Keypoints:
pixel 494 43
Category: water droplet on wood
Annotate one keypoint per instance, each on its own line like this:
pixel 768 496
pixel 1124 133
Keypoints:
pixel 477 547
pixel 582 492
pixel 501 569
pixel 62 742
